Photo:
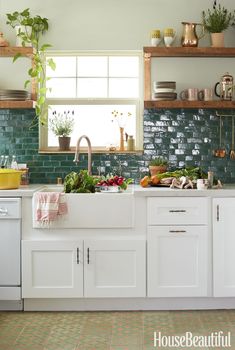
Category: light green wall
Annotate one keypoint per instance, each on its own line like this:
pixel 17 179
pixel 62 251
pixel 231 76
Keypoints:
pixel 109 24
pixel 121 24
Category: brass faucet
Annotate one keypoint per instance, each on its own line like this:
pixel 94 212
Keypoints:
pixel 77 152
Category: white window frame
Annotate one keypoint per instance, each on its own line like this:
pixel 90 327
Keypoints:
pixel 43 130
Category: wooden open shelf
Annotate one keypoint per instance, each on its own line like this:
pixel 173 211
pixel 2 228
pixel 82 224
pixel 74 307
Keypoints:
pixel 11 51
pixel 189 51
pixel 189 104
pixel 25 52
pixel 17 104
pixel 210 52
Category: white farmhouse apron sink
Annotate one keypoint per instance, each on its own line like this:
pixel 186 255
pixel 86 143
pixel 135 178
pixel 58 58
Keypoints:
pixel 94 210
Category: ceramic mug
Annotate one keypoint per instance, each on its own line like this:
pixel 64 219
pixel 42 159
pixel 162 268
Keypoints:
pixel 190 94
pixel 202 184
pixel 155 37
pixel 205 94
pixel 169 36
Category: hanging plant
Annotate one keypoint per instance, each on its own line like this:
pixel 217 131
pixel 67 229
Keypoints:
pixel 38 27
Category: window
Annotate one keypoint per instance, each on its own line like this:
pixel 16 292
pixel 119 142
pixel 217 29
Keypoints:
pixel 90 86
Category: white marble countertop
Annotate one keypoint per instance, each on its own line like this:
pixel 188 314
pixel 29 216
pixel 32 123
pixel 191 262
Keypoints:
pixel 228 190
pixel 22 191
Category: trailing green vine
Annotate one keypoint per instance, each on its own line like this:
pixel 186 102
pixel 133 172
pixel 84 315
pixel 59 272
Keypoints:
pixel 34 28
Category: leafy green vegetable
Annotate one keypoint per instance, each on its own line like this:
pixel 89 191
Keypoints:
pixel 79 182
pixel 191 172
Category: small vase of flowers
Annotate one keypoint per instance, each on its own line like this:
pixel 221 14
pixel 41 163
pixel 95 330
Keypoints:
pixel 121 119
pixel 62 126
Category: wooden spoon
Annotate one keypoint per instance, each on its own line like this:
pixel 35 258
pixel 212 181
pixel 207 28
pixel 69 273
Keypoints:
pixel 232 151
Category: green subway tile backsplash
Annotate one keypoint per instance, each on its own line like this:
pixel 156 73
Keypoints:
pixel 184 137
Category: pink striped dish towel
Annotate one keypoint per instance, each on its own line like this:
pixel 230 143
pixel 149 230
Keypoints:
pixel 50 206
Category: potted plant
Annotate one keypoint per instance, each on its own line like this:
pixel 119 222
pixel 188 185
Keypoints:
pixel 216 21
pixel 158 165
pixel 62 126
pixel 30 32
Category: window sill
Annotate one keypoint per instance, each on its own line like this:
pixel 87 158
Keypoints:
pixel 94 151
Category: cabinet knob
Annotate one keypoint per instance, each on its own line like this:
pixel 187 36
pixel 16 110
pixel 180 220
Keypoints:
pixel 217 212
pixel 177 231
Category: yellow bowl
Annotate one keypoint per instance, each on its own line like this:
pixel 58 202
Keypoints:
pixel 9 179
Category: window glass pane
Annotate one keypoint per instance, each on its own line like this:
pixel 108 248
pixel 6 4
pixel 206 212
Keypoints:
pixel 91 87
pixel 61 87
pixel 124 87
pixel 92 66
pixel 97 122
pixel 65 67
pixel 123 66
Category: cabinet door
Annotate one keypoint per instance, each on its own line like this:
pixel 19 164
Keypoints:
pixel 52 269
pixel 114 268
pixel 224 247
pixel 177 261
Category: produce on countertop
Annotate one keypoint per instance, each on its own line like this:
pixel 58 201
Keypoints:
pixel 114 180
pixel 180 178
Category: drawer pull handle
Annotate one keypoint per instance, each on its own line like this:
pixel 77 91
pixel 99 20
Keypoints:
pixel 177 231
pixel 78 262
pixel 88 256
pixel 177 211
pixel 3 212
pixel 217 212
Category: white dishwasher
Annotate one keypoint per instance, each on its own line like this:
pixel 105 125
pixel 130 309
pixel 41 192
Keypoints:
pixel 10 241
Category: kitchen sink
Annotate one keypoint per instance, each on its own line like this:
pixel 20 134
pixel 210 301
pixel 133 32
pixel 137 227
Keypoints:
pixel 94 210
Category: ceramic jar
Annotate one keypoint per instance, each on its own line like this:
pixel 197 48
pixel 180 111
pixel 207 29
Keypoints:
pixel 169 36
pixel 155 37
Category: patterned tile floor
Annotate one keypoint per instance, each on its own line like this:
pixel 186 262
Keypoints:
pixel 108 330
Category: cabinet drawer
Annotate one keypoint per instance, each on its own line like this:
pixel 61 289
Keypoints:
pixel 173 210
pixel 10 208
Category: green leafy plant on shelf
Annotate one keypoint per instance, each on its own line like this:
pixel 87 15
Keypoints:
pixel 218 19
pixel 38 26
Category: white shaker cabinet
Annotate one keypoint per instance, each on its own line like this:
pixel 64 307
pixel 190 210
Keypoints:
pixel 224 247
pixel 177 247
pixel 177 261
pixel 114 268
pixel 89 268
pixel 52 269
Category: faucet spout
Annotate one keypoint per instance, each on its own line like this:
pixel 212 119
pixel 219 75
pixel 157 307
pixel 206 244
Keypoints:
pixel 77 152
